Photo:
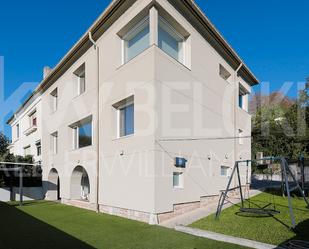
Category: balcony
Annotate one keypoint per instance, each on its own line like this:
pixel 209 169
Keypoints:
pixel 30 130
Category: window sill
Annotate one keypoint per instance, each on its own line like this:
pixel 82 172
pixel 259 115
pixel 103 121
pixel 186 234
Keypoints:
pixel 124 137
pixel 82 148
pixel 77 96
pixel 243 110
pixel 173 59
pixel 178 188
pixel 124 63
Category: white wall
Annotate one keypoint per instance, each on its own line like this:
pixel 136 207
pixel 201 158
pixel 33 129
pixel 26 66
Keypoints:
pixel 22 118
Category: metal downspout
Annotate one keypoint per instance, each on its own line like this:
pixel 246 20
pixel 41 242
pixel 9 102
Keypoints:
pixel 97 121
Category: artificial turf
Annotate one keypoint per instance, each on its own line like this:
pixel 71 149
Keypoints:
pixel 44 225
pixel 272 229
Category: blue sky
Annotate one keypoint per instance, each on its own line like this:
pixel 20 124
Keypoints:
pixel 270 35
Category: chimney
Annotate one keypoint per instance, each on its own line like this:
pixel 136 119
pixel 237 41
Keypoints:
pixel 46 71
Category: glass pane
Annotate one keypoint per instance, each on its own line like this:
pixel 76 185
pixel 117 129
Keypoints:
pixel 240 101
pixel 169 44
pixel 129 120
pixel 82 84
pixel 85 135
pixel 137 44
pixel 176 182
pixel 223 171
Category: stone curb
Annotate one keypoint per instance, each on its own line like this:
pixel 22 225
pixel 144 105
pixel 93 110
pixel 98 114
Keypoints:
pixel 225 238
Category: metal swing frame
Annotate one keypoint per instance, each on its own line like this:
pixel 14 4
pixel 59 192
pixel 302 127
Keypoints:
pixel 285 170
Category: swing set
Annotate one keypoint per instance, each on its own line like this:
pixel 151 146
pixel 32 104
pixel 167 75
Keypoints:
pixel 18 168
pixel 269 208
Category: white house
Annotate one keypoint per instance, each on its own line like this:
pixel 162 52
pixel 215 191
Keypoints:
pixel 145 116
pixel 27 130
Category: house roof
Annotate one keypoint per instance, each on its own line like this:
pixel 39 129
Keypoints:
pixel 115 9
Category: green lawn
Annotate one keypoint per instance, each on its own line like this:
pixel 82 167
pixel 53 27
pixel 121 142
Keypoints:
pixel 274 230
pixel 44 225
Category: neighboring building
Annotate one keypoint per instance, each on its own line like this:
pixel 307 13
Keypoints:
pixel 150 81
pixel 27 129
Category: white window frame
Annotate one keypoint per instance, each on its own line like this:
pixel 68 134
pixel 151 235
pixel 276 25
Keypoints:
pixel 75 132
pixel 243 93
pixel 17 131
pixel 128 101
pixel 181 180
pixel 38 146
pixel 131 34
pixel 224 73
pixel 79 74
pixel 27 148
pixel 174 33
pixel 32 116
pixel 54 100
pixel 227 171
pixel 54 137
pixel 240 136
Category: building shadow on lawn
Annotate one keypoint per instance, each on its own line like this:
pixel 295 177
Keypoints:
pixel 22 231
pixel 301 234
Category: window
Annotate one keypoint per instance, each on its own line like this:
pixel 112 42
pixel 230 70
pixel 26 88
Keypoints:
pixel 240 135
pixel 27 150
pixel 17 131
pixel 224 171
pixel 136 40
pixel 177 180
pixel 125 116
pixel 224 73
pixel 54 100
pixel 80 75
pixel 242 98
pixel 38 148
pixel 33 119
pixel 82 133
pixel 170 41
pixel 54 142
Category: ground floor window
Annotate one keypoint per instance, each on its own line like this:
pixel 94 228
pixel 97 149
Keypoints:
pixel 178 180
pixel 224 170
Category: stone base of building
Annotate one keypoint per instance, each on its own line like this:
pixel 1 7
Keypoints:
pixel 80 204
pixel 183 208
pixel 130 214
pixel 154 219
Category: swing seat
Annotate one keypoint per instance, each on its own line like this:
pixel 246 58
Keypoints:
pixel 259 211
pixel 262 166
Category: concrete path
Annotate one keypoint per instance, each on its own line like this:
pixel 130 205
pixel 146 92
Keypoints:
pixel 224 238
pixel 197 214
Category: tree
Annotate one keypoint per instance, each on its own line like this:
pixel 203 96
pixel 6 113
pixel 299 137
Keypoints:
pixel 282 130
pixel 4 143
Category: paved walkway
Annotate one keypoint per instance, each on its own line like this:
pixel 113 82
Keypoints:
pixel 197 214
pixel 224 238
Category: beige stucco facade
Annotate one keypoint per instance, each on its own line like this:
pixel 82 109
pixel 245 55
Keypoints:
pixel 181 109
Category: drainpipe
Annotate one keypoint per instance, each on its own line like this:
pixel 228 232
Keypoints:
pixel 235 110
pixel 96 48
